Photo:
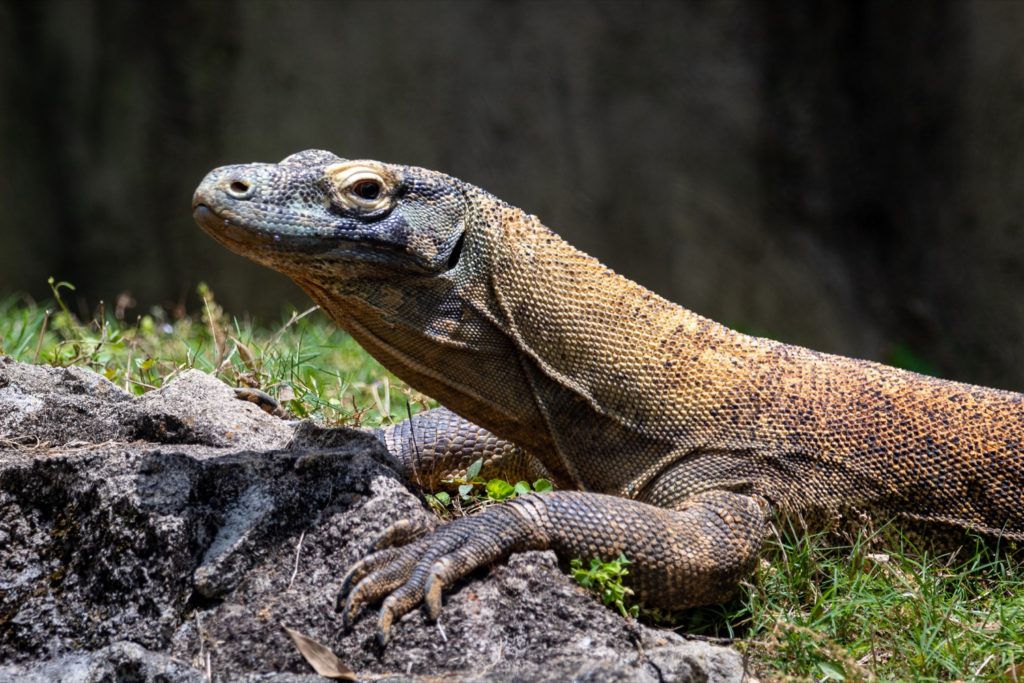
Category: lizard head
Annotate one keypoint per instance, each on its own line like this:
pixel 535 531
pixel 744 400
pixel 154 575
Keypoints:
pixel 396 255
pixel 315 211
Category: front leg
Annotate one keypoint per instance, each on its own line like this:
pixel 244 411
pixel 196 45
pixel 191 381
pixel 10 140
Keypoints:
pixel 438 446
pixel 694 555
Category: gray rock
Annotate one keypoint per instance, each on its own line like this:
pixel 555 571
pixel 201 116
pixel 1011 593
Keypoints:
pixel 57 406
pixel 191 410
pixel 42 405
pixel 119 661
pixel 161 537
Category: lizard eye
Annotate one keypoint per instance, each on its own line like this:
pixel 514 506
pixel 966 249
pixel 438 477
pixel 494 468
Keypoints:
pixel 358 186
pixel 367 189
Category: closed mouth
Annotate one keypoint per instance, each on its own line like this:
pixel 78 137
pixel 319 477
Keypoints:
pixel 244 239
pixel 223 230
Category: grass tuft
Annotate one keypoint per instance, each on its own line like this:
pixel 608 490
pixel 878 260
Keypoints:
pixel 865 611
pixel 316 370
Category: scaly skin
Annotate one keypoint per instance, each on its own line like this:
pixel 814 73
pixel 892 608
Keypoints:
pixel 674 439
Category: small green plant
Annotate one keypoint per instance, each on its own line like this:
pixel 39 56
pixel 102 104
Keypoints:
pixel 474 488
pixel 605 579
pixel 475 491
pixel 440 502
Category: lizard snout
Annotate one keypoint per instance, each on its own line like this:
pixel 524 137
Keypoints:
pixel 227 184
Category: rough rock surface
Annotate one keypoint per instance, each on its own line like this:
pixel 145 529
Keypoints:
pixel 169 537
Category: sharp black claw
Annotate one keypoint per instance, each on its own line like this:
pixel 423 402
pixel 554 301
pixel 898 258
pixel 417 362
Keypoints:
pixel 348 617
pixel 339 601
pixel 348 620
pixel 346 588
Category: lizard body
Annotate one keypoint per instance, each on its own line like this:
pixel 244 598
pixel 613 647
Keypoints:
pixel 674 439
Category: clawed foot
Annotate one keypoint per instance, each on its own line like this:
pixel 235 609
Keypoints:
pixel 411 566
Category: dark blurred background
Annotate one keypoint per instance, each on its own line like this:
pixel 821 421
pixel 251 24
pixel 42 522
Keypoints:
pixel 847 176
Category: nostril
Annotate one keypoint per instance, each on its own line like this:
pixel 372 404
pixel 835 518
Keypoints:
pixel 240 189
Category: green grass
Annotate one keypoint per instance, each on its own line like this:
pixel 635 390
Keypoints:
pixel 303 360
pixel 865 611
pixel 813 611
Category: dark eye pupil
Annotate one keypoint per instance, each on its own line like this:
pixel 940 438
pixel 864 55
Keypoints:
pixel 367 189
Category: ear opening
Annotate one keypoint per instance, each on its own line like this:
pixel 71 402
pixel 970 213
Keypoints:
pixel 453 258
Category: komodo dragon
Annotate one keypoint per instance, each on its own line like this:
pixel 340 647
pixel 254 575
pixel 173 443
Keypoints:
pixel 672 439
